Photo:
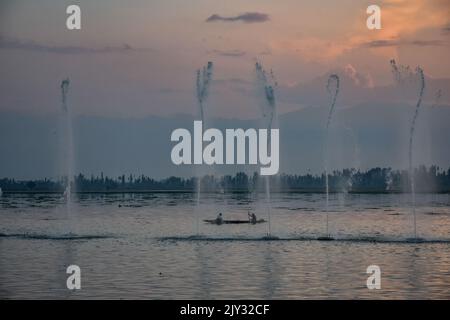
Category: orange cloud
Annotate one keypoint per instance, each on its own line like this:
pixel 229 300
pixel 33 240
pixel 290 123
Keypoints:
pixel 401 21
pixel 405 17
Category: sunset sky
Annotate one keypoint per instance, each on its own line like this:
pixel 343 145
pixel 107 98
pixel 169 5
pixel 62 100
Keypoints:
pixel 139 57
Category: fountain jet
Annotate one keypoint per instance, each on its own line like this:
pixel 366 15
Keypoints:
pixel 411 140
pixel 334 78
pixel 402 74
pixel 204 77
pixel 203 83
pixel 68 144
pixel 267 82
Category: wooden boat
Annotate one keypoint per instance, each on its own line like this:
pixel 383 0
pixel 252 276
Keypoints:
pixel 214 221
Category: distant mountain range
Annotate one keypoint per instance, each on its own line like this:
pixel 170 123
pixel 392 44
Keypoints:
pixel 366 135
pixel 358 88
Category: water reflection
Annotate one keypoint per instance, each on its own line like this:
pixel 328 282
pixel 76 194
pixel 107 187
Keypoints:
pixel 141 246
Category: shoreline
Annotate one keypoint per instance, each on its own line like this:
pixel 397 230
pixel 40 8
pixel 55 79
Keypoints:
pixel 296 191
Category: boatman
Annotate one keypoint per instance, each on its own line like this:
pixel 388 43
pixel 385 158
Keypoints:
pixel 252 218
pixel 219 219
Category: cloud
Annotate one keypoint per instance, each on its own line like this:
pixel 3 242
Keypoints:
pixel 266 52
pixel 406 17
pixel 234 81
pixel 426 43
pixel 404 24
pixel 229 53
pixel 446 29
pixel 313 48
pixel 380 43
pixel 359 79
pixel 248 17
pixel 15 44
pixel 383 43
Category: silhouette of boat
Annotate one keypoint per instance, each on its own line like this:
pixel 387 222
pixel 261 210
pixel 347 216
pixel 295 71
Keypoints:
pixel 215 221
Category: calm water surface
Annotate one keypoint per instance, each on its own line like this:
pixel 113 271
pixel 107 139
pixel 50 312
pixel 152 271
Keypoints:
pixel 144 246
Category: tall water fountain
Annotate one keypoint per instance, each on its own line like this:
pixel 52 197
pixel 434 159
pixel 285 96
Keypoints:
pixel 411 140
pixel 404 74
pixel 267 82
pixel 333 95
pixel 203 83
pixel 68 145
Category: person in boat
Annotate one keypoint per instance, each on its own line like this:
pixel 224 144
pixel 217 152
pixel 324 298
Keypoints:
pixel 219 219
pixel 252 218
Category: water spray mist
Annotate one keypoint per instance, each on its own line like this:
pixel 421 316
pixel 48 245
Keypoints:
pixel 203 83
pixel 411 140
pixel 334 78
pixel 267 82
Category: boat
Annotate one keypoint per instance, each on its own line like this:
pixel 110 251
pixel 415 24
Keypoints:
pixel 215 221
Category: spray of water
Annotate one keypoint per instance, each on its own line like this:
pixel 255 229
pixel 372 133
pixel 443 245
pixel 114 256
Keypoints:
pixel 437 98
pixel 333 79
pixel 203 83
pixel 411 140
pixel 204 77
pixel 402 74
pixel 267 82
pixel 68 141
pixel 389 180
pixel 356 157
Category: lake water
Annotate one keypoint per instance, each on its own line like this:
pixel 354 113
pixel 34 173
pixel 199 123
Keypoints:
pixel 144 246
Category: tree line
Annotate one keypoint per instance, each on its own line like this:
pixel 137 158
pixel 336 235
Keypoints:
pixel 428 179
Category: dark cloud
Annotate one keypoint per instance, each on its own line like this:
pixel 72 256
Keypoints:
pixel 10 43
pixel 248 17
pixel 381 43
pixel 393 43
pixel 446 29
pixel 426 43
pixel 229 53
pixel 266 52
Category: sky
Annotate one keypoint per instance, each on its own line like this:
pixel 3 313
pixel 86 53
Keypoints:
pixel 139 58
pixel 136 61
